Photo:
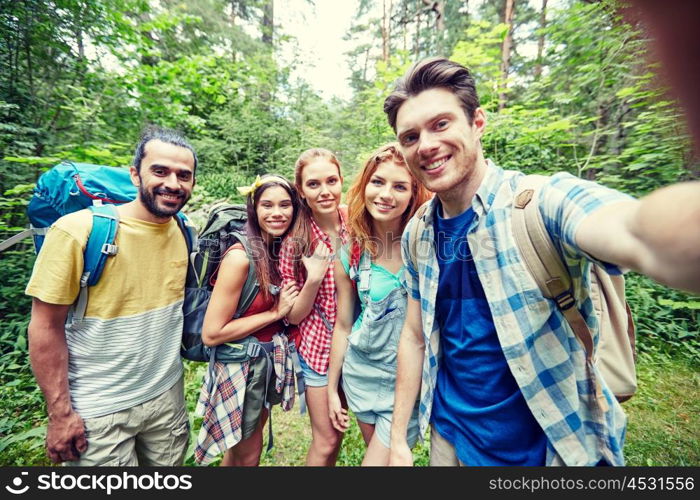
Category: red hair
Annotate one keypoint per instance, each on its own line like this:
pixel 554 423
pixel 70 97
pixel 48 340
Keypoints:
pixel 360 220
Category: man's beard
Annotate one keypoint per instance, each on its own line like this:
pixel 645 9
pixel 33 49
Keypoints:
pixel 149 200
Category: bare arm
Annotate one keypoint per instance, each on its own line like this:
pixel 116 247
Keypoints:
pixel 316 266
pixel 408 380
pixel 339 343
pixel 219 327
pixel 48 355
pixel 658 235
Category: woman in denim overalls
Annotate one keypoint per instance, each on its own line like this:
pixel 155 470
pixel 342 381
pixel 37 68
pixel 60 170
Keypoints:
pixel 382 199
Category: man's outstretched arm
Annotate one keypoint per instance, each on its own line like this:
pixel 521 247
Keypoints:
pixel 48 354
pixel 658 235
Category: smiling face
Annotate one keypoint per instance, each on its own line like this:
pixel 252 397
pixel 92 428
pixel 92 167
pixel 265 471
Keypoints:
pixel 441 147
pixel 388 192
pixel 321 187
pixel 274 211
pixel 165 178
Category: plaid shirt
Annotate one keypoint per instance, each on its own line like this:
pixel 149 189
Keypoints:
pixel 315 335
pixel 222 410
pixel 540 348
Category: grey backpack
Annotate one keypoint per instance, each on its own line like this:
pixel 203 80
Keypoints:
pixel 225 227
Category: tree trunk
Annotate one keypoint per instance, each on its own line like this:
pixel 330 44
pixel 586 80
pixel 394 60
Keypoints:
pixel 540 40
pixel 505 52
pixel 28 48
pixel 416 46
pixel 386 30
pixel 404 26
pixel 234 6
pixel 438 7
pixel 268 23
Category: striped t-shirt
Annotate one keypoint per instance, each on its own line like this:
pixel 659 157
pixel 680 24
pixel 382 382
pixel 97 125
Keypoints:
pixel 127 349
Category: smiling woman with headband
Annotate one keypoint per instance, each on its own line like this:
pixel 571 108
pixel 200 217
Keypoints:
pixel 235 405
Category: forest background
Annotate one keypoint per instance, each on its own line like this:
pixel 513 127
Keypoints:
pixel 567 87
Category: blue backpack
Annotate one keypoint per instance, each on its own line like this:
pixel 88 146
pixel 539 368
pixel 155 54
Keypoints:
pixel 69 187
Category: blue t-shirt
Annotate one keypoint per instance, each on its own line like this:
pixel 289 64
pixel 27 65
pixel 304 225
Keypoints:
pixel 477 405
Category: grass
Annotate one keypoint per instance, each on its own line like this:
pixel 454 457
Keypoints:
pixel 664 416
pixel 663 429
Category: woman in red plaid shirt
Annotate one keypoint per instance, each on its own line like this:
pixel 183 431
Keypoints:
pixel 305 260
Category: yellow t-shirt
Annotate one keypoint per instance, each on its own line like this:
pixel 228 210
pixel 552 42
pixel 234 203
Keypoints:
pixel 126 350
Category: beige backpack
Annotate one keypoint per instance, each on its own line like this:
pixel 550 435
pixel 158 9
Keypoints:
pixel 615 356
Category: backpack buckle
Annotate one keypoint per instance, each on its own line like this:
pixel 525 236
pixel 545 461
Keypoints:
pixel 109 249
pixel 565 300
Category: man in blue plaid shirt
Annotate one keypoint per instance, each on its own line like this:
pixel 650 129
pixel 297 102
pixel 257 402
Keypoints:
pixel 503 378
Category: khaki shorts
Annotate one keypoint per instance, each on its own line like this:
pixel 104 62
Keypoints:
pixel 154 433
pixel 442 453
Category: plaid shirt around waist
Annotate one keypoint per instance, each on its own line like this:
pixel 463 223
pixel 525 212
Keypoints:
pixel 222 408
pixel 540 348
pixel 316 329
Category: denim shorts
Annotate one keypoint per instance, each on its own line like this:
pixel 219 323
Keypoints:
pixel 382 426
pixel 311 377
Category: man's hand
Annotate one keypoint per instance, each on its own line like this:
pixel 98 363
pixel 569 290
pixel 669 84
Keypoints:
pixel 401 455
pixel 65 438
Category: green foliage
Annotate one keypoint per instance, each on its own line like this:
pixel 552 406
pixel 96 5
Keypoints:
pixel 667 321
pixel 23 409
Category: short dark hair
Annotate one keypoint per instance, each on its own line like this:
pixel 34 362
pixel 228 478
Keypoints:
pixel 431 73
pixel 169 136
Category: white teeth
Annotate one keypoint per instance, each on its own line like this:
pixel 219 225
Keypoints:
pixel 383 207
pixel 436 164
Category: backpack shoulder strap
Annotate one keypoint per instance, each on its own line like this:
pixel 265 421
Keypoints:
pixel 188 231
pixel 251 285
pixel 354 262
pixel 100 245
pixel 542 258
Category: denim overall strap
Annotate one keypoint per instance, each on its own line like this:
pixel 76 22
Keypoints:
pixel 365 276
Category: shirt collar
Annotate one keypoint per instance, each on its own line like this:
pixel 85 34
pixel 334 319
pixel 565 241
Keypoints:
pixel 484 197
pixel 486 193
pixel 321 235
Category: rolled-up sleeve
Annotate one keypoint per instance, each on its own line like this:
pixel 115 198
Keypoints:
pixel 409 278
pixel 565 202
